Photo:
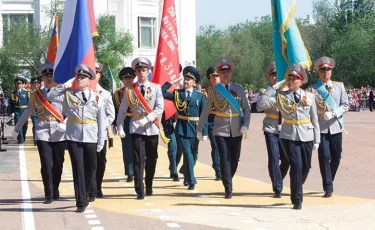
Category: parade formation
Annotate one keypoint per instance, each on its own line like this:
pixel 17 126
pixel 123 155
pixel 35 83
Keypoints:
pixel 75 116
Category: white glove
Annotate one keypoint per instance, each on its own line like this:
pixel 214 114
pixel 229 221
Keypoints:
pixel 200 135
pixel 114 130
pixel 176 81
pixel 278 85
pixel 14 134
pixel 243 129
pixel 69 83
pixel 121 133
pixel 204 138
pixel 62 126
pixel 316 146
pixel 12 115
pixel 142 122
pixel 328 116
pixel 99 148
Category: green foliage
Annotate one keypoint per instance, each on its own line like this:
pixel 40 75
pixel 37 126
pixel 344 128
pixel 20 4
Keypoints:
pixel 343 30
pixel 111 47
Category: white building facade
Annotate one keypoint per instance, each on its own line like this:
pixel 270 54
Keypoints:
pixel 141 18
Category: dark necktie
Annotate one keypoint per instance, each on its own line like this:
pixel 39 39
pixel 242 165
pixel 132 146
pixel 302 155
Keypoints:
pixel 142 90
pixel 326 87
pixel 227 87
pixel 295 97
pixel 48 90
pixel 188 97
pixel 84 97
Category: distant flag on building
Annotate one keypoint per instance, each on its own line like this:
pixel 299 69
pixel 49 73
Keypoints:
pixel 288 45
pixel 76 45
pixel 92 19
pixel 54 43
pixel 167 65
pixel 112 80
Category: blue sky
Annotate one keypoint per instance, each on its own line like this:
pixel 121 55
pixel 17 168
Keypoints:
pixel 223 13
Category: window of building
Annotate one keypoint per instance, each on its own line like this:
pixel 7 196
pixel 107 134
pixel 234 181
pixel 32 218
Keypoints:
pixel 146 32
pixel 11 19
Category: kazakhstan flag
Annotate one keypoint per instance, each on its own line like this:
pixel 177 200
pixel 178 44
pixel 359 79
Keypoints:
pixel 288 45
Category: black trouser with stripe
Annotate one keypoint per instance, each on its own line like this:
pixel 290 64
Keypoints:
pixel 299 155
pixel 51 156
pixel 97 178
pixel 329 151
pixel 83 158
pixel 145 155
pixel 230 151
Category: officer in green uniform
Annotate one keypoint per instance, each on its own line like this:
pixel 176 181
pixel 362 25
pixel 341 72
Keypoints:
pixel 19 99
pixel 189 104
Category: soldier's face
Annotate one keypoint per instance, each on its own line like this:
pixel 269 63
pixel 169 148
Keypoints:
pixel 225 76
pixel 127 81
pixel 294 82
pixel 325 74
pixel 272 78
pixel 35 85
pixel 142 73
pixel 19 86
pixel 47 79
pixel 98 75
pixel 82 81
pixel 214 79
pixel 188 82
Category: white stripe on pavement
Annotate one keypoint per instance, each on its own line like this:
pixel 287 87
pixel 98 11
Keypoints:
pixel 28 222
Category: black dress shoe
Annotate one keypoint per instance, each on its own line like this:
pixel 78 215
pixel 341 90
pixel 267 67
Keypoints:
pixel 218 178
pixel 171 175
pixel 297 206
pixel 185 182
pixel 327 194
pixel 228 195
pixel 149 192
pixel 91 198
pixel 100 194
pixel 47 200
pixel 277 195
pixel 191 187
pixel 130 178
pixel 80 209
pixel 175 177
pixel 20 142
pixel 140 196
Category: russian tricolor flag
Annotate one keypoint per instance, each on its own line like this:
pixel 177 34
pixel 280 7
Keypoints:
pixel 76 45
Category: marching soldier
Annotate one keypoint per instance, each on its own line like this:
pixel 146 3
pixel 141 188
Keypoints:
pixel 127 76
pixel 300 129
pixel 49 134
pixel 232 120
pixel 85 129
pixel 146 102
pixel 332 103
pixel 18 103
pixel 96 187
pixel 35 85
pixel 213 77
pixel 189 104
pixel 27 85
pixel 277 161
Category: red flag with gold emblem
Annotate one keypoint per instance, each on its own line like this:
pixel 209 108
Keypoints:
pixel 167 65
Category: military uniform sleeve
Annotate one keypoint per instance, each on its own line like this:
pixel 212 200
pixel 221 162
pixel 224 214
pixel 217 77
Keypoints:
pixel 344 102
pixel 109 110
pixel 314 119
pixel 101 117
pixel 121 115
pixel 55 94
pixel 167 95
pixel 266 101
pixel 25 116
pixel 204 114
pixel 158 108
pixel 245 109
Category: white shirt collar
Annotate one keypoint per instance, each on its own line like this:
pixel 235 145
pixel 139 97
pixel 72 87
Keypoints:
pixel 146 84
pixel 329 83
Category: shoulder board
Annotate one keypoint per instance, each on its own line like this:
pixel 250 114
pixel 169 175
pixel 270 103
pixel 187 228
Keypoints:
pixel 199 92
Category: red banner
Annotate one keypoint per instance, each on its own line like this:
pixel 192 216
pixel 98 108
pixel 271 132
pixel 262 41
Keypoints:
pixel 92 19
pixel 167 64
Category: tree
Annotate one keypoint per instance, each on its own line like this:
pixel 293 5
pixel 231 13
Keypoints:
pixel 111 47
